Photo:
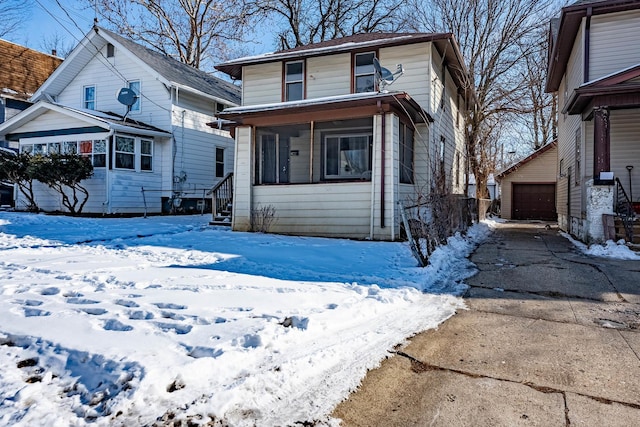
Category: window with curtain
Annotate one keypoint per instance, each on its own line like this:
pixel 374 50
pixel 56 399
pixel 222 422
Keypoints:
pixel 347 156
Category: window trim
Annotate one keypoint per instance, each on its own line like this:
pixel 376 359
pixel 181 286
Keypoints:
pixel 339 136
pixel 150 155
pixel 402 147
pixel 219 163
pixel 354 76
pixel 138 102
pixel 127 153
pixel 285 81
pixel 86 101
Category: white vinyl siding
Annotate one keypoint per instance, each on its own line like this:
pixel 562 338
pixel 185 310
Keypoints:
pixel 615 43
pixel 155 97
pixel 262 84
pixel 625 132
pixel 415 59
pixel 328 75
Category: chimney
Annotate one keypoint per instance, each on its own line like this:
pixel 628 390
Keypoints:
pixel 54 52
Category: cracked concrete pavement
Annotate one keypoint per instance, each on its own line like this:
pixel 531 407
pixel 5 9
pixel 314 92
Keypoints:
pixel 551 338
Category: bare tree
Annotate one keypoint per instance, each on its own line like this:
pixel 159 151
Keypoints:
pixel 13 14
pixel 303 22
pixel 194 32
pixel 494 39
pixel 56 44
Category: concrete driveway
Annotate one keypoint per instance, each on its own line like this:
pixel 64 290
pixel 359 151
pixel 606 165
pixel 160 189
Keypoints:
pixel 551 338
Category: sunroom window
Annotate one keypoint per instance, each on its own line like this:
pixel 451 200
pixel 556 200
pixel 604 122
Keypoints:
pixel 347 156
pixel 96 151
pixel 125 152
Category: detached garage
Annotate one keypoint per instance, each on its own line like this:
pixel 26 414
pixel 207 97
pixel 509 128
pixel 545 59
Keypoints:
pixel 528 188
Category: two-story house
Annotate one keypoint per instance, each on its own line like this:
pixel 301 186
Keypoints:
pixel 324 139
pixel 149 144
pixel 594 66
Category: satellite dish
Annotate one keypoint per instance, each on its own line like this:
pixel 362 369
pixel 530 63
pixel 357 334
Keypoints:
pixel 384 77
pixel 127 96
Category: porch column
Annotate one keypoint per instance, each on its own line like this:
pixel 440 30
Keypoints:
pixel 601 142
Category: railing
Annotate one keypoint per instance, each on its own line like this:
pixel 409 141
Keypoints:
pixel 624 209
pixel 222 194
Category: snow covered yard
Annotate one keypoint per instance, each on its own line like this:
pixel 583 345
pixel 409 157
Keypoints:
pixel 134 321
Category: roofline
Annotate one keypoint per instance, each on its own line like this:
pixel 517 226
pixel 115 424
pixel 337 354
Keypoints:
pixel 27 115
pixel 233 68
pixel 570 22
pixel 540 151
pixel 33 50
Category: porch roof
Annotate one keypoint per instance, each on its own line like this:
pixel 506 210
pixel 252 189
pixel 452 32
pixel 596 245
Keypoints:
pixel 327 108
pixel 617 90
pixel 96 121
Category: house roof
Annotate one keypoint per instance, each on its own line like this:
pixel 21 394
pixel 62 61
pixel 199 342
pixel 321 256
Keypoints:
pixel 527 159
pixel 166 69
pixel 568 25
pixel 96 121
pixel 24 69
pixel 357 104
pixel 444 42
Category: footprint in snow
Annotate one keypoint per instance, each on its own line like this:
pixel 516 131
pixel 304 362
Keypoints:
pixel 76 300
pixel 171 315
pixel 175 327
pixel 140 315
pixel 126 303
pixel 50 291
pixel 35 312
pixel 115 325
pixel 170 306
pixel 94 311
pixel 28 302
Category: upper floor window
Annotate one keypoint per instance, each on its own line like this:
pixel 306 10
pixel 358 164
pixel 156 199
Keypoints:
pixel 363 72
pixel 294 81
pixel 134 85
pixel 111 50
pixel 89 98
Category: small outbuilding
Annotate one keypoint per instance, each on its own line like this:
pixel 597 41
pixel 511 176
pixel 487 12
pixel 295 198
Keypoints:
pixel 528 188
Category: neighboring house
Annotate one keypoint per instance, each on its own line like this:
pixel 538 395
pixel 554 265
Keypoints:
pixel 594 66
pixel 528 188
pixel 331 149
pixel 156 155
pixel 22 71
pixel 492 187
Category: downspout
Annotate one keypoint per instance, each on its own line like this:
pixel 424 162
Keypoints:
pixel 373 187
pixel 382 164
pixel 110 145
pixel 587 38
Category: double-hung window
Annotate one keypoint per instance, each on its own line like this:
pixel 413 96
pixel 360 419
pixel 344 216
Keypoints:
pixel 125 152
pixel 406 154
pixel 294 81
pixel 347 156
pixel 146 155
pixel 363 72
pixel 133 153
pixel 89 97
pixel 134 85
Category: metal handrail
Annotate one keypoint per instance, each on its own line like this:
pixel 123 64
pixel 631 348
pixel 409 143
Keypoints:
pixel 624 209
